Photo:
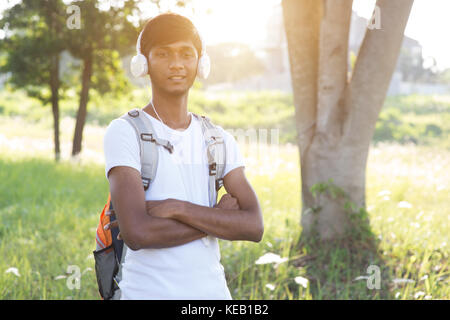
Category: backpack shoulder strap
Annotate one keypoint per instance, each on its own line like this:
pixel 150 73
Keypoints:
pixel 216 152
pixel 148 143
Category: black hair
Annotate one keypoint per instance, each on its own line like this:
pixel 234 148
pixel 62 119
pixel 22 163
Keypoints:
pixel 168 28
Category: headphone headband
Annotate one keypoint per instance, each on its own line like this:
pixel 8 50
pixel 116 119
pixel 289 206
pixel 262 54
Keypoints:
pixel 138 43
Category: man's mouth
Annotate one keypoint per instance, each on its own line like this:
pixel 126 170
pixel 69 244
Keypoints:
pixel 177 78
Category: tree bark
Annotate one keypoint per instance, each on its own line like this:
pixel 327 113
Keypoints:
pixel 336 118
pixel 82 109
pixel 54 85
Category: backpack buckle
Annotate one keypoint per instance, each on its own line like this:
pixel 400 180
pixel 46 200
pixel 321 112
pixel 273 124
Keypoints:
pixel 144 136
pixel 168 146
pixel 212 169
pixel 214 140
pixel 219 184
pixel 149 137
pixel 145 183
pixel 133 113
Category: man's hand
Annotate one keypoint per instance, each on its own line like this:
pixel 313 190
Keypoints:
pixel 113 224
pixel 228 202
pixel 166 208
pixel 237 216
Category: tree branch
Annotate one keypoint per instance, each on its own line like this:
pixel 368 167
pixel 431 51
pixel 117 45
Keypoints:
pixel 333 61
pixel 373 70
pixel 302 25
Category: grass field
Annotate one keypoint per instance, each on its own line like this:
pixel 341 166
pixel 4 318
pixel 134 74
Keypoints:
pixel 49 213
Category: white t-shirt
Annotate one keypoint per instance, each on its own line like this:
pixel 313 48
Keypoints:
pixel 190 271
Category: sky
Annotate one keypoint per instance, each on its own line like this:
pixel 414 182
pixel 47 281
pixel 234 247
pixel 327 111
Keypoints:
pixel 243 20
pixel 428 23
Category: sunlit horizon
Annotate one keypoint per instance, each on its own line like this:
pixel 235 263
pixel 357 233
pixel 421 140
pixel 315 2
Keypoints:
pixel 246 22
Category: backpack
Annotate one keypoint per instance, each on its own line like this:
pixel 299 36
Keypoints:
pixel 110 251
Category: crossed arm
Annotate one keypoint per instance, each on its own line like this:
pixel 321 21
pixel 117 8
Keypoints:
pixel 171 222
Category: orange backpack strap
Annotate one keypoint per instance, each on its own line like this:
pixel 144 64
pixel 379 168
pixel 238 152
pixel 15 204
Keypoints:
pixel 103 237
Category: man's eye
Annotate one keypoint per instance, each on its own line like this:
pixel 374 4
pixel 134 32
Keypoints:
pixel 161 54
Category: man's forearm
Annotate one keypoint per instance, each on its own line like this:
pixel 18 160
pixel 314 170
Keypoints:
pixel 163 233
pixel 221 223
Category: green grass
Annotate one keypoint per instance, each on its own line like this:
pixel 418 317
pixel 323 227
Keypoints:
pixel 49 213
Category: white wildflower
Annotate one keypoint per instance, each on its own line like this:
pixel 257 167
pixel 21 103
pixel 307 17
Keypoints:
pixel 13 270
pixel 419 294
pixel 415 224
pixel 402 281
pixel 384 193
pixel 301 281
pixel 270 286
pixel 404 204
pixel 425 277
pixel 270 258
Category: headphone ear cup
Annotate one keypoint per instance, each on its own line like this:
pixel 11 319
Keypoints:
pixel 204 66
pixel 139 66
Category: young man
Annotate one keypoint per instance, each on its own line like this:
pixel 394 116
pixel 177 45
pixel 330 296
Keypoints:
pixel 164 226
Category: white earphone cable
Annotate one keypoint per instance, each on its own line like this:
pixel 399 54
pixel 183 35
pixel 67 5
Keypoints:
pixel 177 156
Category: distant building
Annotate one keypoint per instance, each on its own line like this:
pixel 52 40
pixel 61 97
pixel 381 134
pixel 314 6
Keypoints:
pixel 274 53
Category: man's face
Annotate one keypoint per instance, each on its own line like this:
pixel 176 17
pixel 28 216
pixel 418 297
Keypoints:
pixel 173 67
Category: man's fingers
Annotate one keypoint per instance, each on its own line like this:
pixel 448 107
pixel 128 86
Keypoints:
pixel 110 212
pixel 113 224
pixel 153 203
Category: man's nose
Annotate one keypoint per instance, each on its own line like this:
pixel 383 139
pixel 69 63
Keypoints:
pixel 176 62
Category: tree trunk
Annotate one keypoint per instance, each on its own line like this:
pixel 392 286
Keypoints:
pixel 82 109
pixel 336 117
pixel 54 85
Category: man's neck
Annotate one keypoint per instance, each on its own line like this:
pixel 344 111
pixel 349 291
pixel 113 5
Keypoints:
pixel 171 109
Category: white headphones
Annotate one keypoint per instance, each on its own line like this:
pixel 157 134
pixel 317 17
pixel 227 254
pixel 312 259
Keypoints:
pixel 139 66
